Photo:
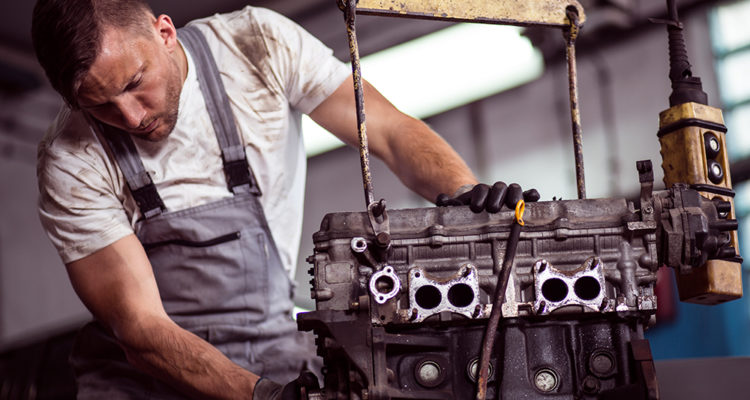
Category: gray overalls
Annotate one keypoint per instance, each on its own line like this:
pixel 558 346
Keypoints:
pixel 216 265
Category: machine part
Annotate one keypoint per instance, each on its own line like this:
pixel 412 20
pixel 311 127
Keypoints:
pixel 558 290
pixel 571 33
pixel 541 357
pixel 693 148
pixel 550 13
pixel 430 371
pixel 601 258
pixel 384 285
pixel 430 295
pixel 379 222
pixel 546 380
pixel 602 363
pixel 359 244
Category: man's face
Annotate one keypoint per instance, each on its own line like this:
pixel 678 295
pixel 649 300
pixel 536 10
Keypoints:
pixel 134 84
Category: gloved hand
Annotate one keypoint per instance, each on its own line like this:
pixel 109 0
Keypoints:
pixel 267 389
pixel 485 198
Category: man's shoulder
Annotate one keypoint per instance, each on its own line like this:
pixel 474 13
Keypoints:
pixel 257 16
pixel 68 137
pixel 254 30
pixel 68 130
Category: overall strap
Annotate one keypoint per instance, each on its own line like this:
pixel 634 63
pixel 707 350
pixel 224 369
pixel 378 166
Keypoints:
pixel 139 181
pixel 239 175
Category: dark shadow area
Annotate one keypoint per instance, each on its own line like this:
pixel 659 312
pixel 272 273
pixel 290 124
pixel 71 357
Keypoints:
pixel 39 371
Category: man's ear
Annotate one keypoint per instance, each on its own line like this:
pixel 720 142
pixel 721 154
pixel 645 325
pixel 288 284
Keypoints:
pixel 166 31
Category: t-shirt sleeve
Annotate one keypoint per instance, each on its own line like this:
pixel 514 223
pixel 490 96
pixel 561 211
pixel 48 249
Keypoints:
pixel 78 206
pixel 305 67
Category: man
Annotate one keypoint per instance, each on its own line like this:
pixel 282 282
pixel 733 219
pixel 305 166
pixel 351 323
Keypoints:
pixel 174 171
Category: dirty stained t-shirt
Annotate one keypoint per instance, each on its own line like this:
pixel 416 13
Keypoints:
pixel 272 71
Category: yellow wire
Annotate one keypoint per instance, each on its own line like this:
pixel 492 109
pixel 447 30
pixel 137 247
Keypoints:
pixel 520 207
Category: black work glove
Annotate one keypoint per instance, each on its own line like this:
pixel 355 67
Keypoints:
pixel 267 389
pixel 485 198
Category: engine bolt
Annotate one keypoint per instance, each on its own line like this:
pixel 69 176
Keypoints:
pixel 429 373
pixel 546 380
pixel 601 364
pixel 473 370
pixel 590 384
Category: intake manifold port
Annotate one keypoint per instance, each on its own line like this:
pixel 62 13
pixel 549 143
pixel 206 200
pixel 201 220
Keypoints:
pixel 582 286
pixel 428 297
pixel 554 290
pixel 384 285
pixel 587 288
pixel 455 291
pixel 460 295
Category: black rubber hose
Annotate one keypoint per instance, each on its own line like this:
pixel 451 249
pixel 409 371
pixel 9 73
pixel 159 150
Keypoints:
pixel 496 313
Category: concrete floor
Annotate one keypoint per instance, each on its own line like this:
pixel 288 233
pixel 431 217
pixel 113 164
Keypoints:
pixel 726 378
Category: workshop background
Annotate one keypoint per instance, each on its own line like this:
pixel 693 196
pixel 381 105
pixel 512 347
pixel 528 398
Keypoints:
pixel 517 131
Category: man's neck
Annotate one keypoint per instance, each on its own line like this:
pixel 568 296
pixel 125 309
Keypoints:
pixel 182 62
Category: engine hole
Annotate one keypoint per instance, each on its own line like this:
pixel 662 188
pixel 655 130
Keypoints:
pixel 384 284
pixel 428 297
pixel 554 290
pixel 587 288
pixel 460 295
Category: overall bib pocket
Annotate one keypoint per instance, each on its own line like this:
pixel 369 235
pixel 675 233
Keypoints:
pixel 226 275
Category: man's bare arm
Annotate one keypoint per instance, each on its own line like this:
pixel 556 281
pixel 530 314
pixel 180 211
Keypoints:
pixel 423 160
pixel 117 285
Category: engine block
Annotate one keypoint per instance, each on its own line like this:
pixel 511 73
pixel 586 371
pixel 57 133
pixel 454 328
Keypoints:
pixel 406 320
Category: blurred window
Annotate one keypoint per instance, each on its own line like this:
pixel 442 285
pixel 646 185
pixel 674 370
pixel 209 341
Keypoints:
pixel 730 37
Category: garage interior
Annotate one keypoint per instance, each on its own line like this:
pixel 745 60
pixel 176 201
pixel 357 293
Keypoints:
pixel 519 133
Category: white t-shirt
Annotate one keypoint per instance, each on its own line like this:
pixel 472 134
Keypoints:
pixel 272 71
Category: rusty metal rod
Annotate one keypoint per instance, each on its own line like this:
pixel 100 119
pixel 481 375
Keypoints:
pixel 571 33
pixel 350 10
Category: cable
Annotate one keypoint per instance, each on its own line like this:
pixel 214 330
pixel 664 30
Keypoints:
pixel 499 299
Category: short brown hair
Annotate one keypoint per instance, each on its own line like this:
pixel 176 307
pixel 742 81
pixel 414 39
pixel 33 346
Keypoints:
pixel 67 36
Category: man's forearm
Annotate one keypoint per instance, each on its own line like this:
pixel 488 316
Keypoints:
pixel 426 163
pixel 189 364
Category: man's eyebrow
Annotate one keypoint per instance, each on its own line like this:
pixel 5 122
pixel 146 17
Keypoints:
pixel 133 78
pixel 123 89
pixel 92 105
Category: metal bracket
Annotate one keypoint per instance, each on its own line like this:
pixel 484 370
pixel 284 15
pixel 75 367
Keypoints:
pixel 646 178
pixel 506 12
pixel 379 221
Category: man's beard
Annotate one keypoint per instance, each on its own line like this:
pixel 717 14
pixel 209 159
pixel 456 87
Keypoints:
pixel 169 117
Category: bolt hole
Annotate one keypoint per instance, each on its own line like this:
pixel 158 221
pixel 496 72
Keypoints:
pixel 417 274
pixel 554 290
pixel 587 288
pixel 460 295
pixel 428 297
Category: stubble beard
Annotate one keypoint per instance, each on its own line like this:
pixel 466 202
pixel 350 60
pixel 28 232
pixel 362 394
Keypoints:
pixel 169 117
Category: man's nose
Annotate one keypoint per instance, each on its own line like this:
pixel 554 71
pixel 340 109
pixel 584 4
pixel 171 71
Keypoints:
pixel 132 113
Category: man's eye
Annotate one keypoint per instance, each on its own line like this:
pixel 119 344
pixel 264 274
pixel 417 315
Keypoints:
pixel 134 84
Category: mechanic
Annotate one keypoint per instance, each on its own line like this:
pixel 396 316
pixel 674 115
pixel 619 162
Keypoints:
pixel 172 182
